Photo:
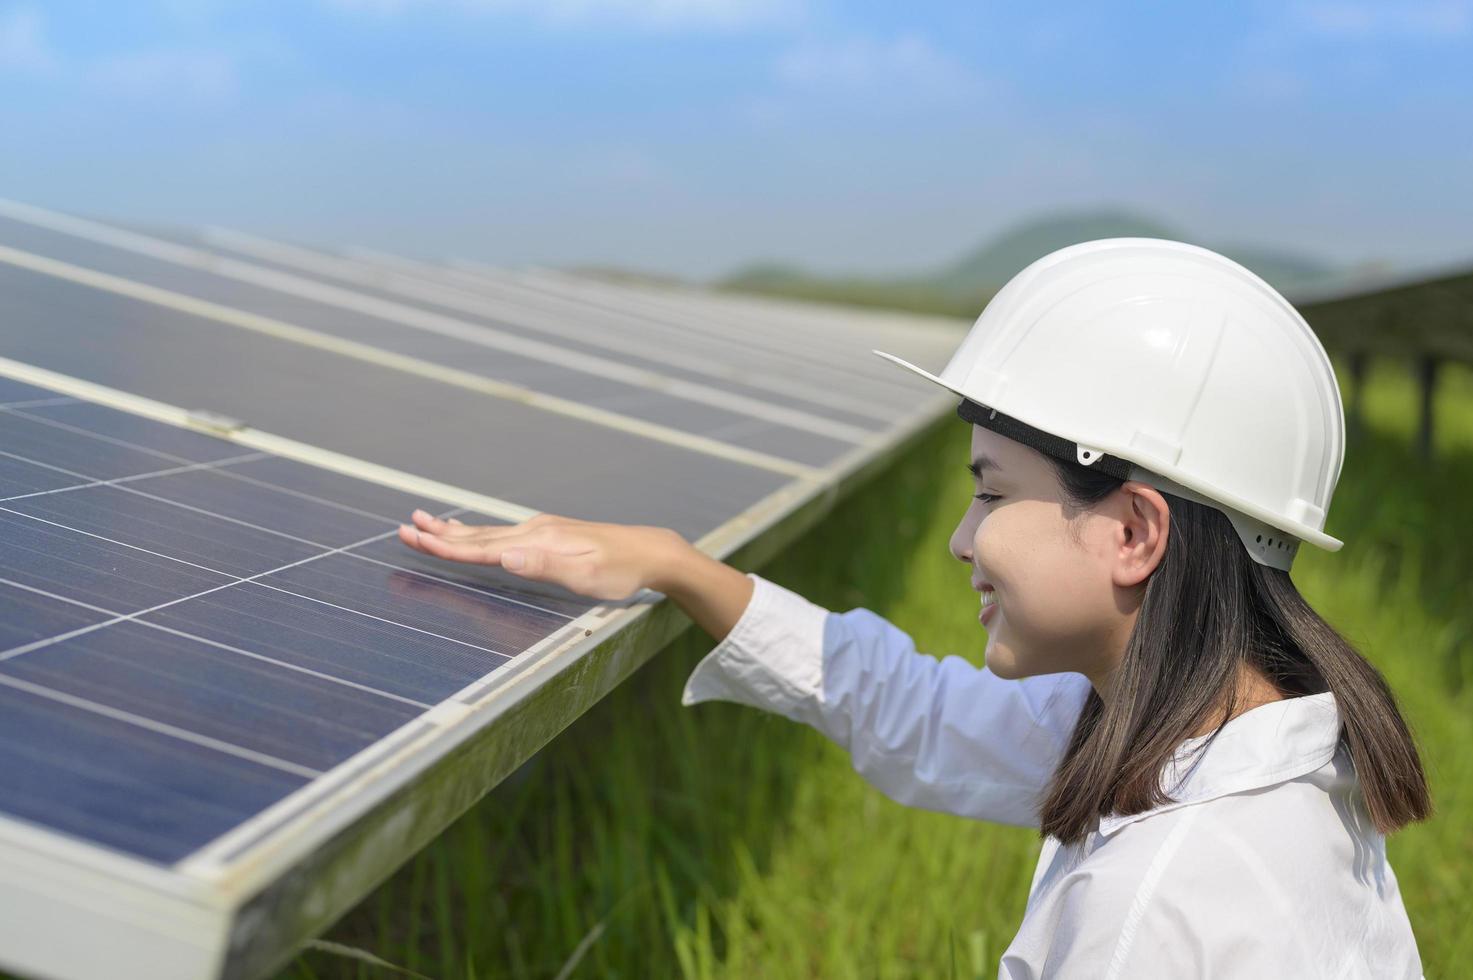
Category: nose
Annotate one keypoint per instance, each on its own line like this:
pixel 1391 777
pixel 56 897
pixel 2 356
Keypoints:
pixel 961 542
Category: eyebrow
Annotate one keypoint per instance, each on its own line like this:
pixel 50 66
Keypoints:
pixel 976 466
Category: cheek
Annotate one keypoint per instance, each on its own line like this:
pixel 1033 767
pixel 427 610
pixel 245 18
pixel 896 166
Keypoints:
pixel 1042 576
pixel 1005 543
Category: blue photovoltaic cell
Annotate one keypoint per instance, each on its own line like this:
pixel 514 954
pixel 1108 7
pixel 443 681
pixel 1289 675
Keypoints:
pixel 26 616
pixel 290 715
pixel 385 656
pixel 150 699
pixel 153 525
pixel 86 569
pixel 320 524
pixel 123 786
pixel 19 478
pixel 29 438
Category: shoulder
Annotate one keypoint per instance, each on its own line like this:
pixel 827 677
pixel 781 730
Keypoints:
pixel 1288 879
pixel 1159 899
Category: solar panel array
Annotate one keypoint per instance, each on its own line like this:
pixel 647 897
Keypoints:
pixel 202 634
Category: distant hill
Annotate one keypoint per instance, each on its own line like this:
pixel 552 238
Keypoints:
pixel 963 287
pixel 997 261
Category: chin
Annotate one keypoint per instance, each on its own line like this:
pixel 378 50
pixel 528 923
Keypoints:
pixel 1003 666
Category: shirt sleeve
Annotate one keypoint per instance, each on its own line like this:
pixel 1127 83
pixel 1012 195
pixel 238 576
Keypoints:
pixel 938 734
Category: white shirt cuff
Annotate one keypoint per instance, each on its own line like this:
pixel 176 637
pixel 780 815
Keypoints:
pixel 772 658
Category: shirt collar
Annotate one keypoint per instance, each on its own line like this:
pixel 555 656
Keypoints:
pixel 1269 744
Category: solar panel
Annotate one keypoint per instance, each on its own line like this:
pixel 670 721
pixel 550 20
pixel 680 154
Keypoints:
pixel 230 700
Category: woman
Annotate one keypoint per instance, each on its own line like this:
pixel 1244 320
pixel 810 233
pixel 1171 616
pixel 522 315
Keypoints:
pixel 1212 767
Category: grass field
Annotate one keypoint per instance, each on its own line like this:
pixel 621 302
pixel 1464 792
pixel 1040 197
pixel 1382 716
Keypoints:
pixel 652 840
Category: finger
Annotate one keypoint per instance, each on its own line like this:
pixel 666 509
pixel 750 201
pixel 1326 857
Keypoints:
pixel 455 550
pixel 410 536
pixel 429 522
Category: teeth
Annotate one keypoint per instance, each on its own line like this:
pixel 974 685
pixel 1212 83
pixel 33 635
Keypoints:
pixel 989 599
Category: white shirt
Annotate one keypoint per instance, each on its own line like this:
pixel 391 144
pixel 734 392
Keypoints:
pixel 1266 866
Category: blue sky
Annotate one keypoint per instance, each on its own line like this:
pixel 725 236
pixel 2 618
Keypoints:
pixel 694 136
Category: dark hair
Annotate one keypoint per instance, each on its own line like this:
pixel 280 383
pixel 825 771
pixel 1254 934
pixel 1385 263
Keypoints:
pixel 1208 609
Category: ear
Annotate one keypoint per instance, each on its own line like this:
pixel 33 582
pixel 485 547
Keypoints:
pixel 1140 539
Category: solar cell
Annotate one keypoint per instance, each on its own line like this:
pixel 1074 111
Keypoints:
pixel 27 616
pixel 18 477
pixel 120 785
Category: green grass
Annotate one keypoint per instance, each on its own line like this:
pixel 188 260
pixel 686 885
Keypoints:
pixel 718 841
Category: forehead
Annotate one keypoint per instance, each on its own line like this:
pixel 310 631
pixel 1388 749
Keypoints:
pixel 1013 457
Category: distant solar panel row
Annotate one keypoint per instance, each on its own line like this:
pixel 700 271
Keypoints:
pixel 462 340
pixel 190 632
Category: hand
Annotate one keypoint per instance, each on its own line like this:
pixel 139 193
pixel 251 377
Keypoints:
pixel 603 561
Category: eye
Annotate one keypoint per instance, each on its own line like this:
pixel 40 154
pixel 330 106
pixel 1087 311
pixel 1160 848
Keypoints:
pixel 987 498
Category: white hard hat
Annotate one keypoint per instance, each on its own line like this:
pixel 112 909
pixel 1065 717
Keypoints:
pixel 1171 365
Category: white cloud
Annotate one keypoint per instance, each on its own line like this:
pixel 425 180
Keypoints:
pixel 721 15
pixel 910 62
pixel 23 46
pixel 1424 19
